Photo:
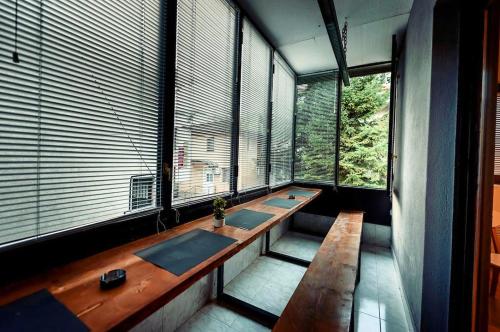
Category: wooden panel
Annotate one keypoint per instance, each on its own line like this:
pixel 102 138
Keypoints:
pixel 324 298
pixel 148 287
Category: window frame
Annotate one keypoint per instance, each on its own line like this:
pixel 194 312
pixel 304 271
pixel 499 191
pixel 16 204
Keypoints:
pixel 364 70
pixel 325 184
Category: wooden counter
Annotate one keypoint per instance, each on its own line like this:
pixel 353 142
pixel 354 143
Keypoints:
pixel 148 287
pixel 324 298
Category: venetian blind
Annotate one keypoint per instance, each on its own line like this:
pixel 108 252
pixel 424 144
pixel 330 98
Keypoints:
pixel 282 122
pixel 254 104
pixel 78 114
pixel 204 85
pixel 316 128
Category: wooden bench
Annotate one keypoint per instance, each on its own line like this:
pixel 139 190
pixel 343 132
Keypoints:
pixel 323 301
pixel 148 287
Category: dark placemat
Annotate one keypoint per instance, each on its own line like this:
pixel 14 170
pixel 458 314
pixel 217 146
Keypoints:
pixel 39 311
pixel 282 202
pixel 181 253
pixel 304 193
pixel 247 219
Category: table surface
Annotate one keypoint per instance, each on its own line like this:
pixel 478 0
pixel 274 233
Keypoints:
pixel 148 287
pixel 324 297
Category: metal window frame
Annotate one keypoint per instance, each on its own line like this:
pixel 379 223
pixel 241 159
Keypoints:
pixel 337 128
pixel 364 70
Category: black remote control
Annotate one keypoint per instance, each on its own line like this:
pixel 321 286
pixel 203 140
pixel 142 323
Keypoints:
pixel 113 278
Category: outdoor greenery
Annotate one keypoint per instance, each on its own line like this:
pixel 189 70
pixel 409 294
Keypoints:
pixel 316 125
pixel 364 131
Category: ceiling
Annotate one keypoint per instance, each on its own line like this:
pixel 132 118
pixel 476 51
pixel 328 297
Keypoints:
pixel 296 29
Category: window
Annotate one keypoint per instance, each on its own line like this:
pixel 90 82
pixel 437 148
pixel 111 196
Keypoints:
pixel 225 174
pixel 282 123
pixel 78 114
pixel 364 134
pixel 316 128
pixel 141 192
pixel 210 144
pixel 205 56
pixel 254 105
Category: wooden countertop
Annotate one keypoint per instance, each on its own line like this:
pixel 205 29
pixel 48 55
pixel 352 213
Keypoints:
pixel 324 298
pixel 148 287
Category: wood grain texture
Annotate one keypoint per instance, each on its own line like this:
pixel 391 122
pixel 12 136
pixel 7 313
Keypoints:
pixel 148 287
pixel 324 298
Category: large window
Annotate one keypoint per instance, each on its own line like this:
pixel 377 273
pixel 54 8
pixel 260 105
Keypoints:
pixel 364 134
pixel 316 128
pixel 78 114
pixel 254 104
pixel 203 98
pixel 282 123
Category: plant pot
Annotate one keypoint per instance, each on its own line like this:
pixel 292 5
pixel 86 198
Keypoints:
pixel 219 222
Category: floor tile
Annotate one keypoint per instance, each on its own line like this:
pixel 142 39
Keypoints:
pixel 390 327
pixel 365 323
pixel 298 245
pixel 204 323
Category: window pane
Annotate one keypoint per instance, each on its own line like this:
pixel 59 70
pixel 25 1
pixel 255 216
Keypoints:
pixel 203 98
pixel 364 132
pixel 282 122
pixel 316 128
pixel 255 77
pixel 78 114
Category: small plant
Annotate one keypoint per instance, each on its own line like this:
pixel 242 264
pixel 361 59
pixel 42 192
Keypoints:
pixel 219 205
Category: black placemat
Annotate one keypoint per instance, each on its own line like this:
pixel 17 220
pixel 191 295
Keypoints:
pixel 297 192
pixel 39 311
pixel 282 202
pixel 181 253
pixel 247 219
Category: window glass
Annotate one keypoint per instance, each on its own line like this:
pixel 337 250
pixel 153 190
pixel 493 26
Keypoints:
pixel 78 114
pixel 204 84
pixel 254 105
pixel 316 128
pixel 364 134
pixel 282 122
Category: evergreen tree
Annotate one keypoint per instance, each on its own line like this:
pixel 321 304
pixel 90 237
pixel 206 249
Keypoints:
pixel 364 131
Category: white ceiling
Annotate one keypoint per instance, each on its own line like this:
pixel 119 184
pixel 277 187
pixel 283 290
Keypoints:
pixel 297 30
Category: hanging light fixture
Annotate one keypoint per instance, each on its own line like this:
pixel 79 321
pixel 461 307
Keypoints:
pixel 15 55
pixel 344 37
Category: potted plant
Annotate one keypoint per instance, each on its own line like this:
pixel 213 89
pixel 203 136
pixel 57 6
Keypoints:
pixel 219 205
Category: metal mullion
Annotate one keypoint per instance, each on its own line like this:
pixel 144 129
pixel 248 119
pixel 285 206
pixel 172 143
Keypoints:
pixel 167 105
pixel 294 128
pixel 337 134
pixel 269 118
pixel 233 184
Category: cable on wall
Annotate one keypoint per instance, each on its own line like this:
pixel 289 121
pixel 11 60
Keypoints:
pixel 15 54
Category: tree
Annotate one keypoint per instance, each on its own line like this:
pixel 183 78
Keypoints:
pixel 364 131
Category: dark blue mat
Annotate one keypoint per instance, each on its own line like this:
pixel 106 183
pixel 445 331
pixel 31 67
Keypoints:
pixel 247 219
pixel 39 311
pixel 304 193
pixel 282 202
pixel 181 253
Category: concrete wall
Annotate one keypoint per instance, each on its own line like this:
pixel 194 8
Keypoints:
pixel 184 306
pixel 412 130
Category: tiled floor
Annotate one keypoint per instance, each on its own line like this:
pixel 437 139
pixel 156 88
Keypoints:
pixel 214 317
pixel 298 245
pixel 378 303
pixel 267 283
